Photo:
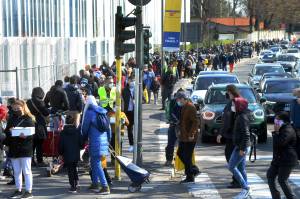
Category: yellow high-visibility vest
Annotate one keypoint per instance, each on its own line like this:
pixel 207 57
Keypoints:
pixel 104 102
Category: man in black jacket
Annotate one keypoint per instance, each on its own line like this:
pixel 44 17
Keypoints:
pixel 285 157
pixel 75 99
pixel 57 98
pixel 128 105
pixel 227 129
pixel 168 81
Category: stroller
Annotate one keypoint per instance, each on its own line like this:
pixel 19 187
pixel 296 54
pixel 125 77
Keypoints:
pixel 50 145
pixel 137 175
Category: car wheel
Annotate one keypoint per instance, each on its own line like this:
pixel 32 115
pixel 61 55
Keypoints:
pixel 263 134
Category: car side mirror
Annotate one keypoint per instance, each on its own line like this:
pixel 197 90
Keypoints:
pixel 262 100
pixel 193 82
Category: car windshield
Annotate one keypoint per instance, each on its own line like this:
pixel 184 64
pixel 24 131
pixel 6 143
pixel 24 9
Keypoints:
pixel 286 58
pixel 276 76
pixel 268 69
pixel 293 51
pixel 218 96
pixel 265 53
pixel 274 49
pixel 204 82
pixel 281 87
pixel 269 56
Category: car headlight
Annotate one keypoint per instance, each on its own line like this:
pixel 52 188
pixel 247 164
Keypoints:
pixel 208 115
pixel 259 113
pixel 195 99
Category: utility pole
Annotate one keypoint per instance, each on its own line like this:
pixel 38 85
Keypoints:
pixel 140 65
pixel 162 37
pixel 184 31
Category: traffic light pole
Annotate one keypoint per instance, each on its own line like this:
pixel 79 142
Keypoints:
pixel 140 65
pixel 118 117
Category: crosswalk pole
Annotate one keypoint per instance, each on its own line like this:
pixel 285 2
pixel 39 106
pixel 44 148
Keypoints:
pixel 118 120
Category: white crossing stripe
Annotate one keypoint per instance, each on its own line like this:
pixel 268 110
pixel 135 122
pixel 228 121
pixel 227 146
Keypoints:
pixel 223 159
pixel 260 189
pixel 203 188
pixel 295 179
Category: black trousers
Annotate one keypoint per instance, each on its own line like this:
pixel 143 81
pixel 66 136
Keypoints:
pixel 171 143
pixel 283 173
pixel 130 117
pixel 166 93
pixel 38 147
pixel 228 151
pixel 185 152
pixel 72 173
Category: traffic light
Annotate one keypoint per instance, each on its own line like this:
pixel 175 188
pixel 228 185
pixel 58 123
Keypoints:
pixel 147 46
pixel 121 35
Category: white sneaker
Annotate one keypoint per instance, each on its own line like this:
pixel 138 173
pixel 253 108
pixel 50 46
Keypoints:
pixel 243 195
pixel 130 149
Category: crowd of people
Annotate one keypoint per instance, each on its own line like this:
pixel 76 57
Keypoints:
pixel 79 106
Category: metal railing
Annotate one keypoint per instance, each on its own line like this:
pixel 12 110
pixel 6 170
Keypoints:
pixel 20 81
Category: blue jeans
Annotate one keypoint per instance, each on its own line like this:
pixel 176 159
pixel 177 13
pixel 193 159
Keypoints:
pixel 237 166
pixel 97 171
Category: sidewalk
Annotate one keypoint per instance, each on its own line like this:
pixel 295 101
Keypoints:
pixel 161 185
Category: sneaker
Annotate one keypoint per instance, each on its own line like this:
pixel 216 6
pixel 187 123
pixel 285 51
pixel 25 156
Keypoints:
pixel 168 163
pixel 130 149
pixel 94 187
pixel 187 181
pixel 73 190
pixel 27 195
pixel 243 195
pixel 104 191
pixel 16 194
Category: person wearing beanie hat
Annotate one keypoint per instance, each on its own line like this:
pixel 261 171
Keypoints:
pixel 188 135
pixel 285 157
pixel 241 142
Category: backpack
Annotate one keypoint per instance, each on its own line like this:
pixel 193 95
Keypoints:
pixel 103 123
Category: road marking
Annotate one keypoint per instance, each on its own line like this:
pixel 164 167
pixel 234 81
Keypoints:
pixel 203 188
pixel 260 189
pixel 295 179
pixel 201 158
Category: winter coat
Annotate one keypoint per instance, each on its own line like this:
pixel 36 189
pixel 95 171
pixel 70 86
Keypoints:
pixel 148 78
pixel 231 59
pixel 70 144
pixel 284 147
pixel 98 141
pixel 74 98
pixel 126 95
pixel 188 123
pixel 241 132
pixel 38 108
pixel 57 99
pixel 19 147
pixel 155 86
pixel 168 80
pixel 228 122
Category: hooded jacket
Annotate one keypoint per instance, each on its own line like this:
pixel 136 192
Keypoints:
pixel 188 123
pixel 57 99
pixel 228 121
pixel 98 141
pixel 38 108
pixel 284 147
pixel 241 132
pixel 74 98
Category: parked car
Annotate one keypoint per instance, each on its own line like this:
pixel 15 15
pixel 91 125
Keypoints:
pixel 211 111
pixel 266 76
pixel 202 83
pixel 278 94
pixel 260 69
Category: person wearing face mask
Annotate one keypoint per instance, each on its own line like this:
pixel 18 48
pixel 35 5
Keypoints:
pixel 107 94
pixel 285 157
pixel 241 142
pixel 20 148
pixel 188 135
pixel 128 108
pixel 226 131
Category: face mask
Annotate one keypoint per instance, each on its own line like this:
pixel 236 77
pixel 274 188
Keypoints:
pixel 111 85
pixel 179 104
pixel 18 113
pixel 233 108
pixel 278 122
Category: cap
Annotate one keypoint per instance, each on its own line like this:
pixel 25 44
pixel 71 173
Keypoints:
pixel 181 95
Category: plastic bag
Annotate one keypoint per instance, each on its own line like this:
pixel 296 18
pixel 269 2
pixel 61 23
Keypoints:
pixel 178 165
